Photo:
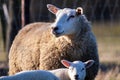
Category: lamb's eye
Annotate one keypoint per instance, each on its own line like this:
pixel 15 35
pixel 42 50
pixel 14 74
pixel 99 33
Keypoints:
pixel 71 16
pixel 71 68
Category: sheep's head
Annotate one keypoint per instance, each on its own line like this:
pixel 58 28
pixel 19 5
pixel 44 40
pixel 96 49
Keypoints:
pixel 77 69
pixel 67 20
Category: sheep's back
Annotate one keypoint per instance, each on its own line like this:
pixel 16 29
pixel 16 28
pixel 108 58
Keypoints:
pixel 25 52
pixel 36 48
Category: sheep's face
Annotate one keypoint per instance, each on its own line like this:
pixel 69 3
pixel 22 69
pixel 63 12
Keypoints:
pixel 66 20
pixel 77 69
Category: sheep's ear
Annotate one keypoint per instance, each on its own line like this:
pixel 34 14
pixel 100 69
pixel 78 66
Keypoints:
pixel 89 63
pixel 79 11
pixel 52 8
pixel 66 63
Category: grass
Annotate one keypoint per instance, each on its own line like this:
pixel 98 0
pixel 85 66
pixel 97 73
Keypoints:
pixel 113 74
pixel 108 29
pixel 108 43
pixel 108 37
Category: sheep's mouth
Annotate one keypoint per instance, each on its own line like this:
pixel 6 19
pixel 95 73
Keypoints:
pixel 77 79
pixel 57 34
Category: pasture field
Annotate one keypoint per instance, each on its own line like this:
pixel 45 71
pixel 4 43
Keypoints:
pixel 108 38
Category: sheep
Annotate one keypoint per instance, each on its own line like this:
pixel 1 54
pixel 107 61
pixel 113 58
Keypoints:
pixel 43 45
pixel 74 71
pixel 31 75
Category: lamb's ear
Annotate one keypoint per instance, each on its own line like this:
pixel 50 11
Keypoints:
pixel 79 11
pixel 89 63
pixel 52 8
pixel 66 63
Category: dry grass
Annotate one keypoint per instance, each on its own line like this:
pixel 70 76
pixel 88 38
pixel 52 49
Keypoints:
pixel 108 37
pixel 113 74
pixel 2 53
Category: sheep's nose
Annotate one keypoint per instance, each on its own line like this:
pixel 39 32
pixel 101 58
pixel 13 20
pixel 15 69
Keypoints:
pixel 76 76
pixel 55 28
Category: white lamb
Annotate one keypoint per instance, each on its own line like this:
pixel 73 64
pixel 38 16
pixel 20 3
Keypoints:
pixel 75 71
pixel 31 75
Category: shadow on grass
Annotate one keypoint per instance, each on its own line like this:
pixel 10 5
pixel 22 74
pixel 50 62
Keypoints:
pixel 107 66
pixel 4 68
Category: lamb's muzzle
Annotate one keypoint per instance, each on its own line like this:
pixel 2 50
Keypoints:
pixel 76 77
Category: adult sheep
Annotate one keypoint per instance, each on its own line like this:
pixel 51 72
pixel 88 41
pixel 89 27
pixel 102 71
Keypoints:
pixel 39 46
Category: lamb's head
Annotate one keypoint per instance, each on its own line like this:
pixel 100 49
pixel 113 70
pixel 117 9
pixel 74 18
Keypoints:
pixel 67 20
pixel 77 69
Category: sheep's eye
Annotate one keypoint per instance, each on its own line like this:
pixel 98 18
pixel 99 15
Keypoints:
pixel 72 16
pixel 82 69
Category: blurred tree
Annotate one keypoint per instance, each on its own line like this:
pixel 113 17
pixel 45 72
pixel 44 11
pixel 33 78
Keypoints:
pixel 15 25
pixel 3 22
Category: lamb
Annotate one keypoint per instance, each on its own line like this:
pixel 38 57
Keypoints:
pixel 31 75
pixel 70 37
pixel 74 71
